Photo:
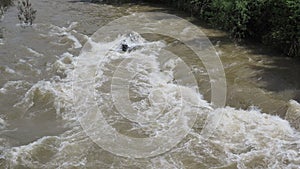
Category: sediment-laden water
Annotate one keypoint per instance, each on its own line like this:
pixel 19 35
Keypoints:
pixel 41 110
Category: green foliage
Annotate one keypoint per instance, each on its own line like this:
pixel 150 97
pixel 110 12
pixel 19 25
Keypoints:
pixel 285 26
pixel 5 3
pixel 26 13
pixel 201 9
pixel 273 22
pixel 232 16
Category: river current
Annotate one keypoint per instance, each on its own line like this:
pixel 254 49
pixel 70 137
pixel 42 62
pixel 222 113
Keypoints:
pixel 41 110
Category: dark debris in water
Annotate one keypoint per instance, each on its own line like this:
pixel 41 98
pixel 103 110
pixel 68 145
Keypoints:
pixel 131 42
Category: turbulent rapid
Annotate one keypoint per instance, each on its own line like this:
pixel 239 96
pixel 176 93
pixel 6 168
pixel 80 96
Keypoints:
pixel 52 121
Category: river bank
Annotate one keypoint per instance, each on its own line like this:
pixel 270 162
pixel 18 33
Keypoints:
pixel 262 71
pixel 40 121
pixel 273 23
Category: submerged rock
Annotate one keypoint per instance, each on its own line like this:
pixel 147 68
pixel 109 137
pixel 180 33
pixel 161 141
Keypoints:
pixel 131 41
pixel 125 47
pixel 293 114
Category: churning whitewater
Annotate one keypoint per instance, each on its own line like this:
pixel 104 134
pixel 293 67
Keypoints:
pixel 159 99
pixel 128 102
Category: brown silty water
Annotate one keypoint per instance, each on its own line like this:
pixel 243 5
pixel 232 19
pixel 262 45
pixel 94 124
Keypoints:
pixel 34 135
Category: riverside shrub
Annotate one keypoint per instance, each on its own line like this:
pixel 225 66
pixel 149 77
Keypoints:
pixel 273 22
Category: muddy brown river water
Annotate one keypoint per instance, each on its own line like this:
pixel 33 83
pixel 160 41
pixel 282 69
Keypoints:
pixel 40 121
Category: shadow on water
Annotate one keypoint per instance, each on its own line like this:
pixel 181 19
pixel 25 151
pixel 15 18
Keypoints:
pixel 279 75
pixel 275 71
pixel 112 2
pixel 255 68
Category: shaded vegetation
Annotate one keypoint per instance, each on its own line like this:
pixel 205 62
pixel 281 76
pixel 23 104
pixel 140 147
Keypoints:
pixel 26 13
pixel 272 22
pixel 4 4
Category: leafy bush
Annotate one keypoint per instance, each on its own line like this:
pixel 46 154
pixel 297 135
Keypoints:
pixel 3 5
pixel 231 15
pixel 273 22
pixel 26 13
pixel 284 30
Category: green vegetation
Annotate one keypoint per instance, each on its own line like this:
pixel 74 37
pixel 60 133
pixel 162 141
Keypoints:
pixel 3 5
pixel 26 13
pixel 272 22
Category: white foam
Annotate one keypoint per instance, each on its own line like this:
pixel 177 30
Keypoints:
pixel 16 85
pixel 35 53
pixel 3 124
pixel 243 136
pixel 65 64
pixel 60 93
pixel 9 70
pixel 1 41
pixel 293 114
pixel 242 139
pixel 68 32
